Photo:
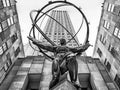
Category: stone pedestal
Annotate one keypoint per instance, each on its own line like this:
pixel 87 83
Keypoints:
pixel 64 85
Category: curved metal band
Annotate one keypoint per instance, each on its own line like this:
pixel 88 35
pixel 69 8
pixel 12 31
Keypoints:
pixel 50 3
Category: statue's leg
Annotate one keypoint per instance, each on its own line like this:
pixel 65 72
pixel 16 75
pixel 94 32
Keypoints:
pixel 72 68
pixel 63 67
pixel 55 73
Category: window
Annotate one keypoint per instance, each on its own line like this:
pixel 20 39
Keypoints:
pixel 1 4
pixel 117 80
pixel 58 33
pixel 9 62
pixel 110 7
pixel 2 71
pixel 6 67
pixel 4 47
pixel 8 2
pixel 116 31
pixel 4 3
pixel 110 47
pixel 8 59
pixel 105 61
pixel 0 28
pixel 11 19
pixel 119 13
pixel 119 34
pixel 9 43
pixel 99 52
pixel 17 52
pixel 100 37
pixel 55 34
pixel 103 40
pixel 1 50
pixel 12 2
pixel 108 66
pixel 14 38
pixel 2 35
pixel 4 25
pixel 106 24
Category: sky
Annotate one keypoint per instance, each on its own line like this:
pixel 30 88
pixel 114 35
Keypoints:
pixel 91 8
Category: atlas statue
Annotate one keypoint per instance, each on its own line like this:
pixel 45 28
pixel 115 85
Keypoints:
pixel 63 61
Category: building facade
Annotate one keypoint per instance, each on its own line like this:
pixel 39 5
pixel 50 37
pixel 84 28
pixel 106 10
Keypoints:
pixel 55 31
pixel 11 45
pixel 107 46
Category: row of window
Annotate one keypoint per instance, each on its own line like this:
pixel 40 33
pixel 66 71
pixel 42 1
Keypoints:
pixel 110 7
pixel 8 2
pixel 7 44
pixel 106 63
pixel 117 32
pixel 5 66
pixel 117 77
pixel 102 39
pixel 3 48
pixel 6 23
pixel 8 62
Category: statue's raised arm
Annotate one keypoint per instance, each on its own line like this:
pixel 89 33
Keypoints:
pixel 80 49
pixel 41 45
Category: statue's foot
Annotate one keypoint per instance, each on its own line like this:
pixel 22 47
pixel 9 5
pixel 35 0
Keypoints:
pixel 53 82
pixel 76 85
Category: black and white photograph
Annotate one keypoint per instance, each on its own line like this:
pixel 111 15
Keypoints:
pixel 59 44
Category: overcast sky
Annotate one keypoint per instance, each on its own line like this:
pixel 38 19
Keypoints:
pixel 91 8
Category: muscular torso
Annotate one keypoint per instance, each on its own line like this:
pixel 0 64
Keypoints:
pixel 62 49
pixel 60 52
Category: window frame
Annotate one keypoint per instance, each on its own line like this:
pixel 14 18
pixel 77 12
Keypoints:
pixel 118 34
pixel 4 3
pixel 4 27
pixel 1 50
pixel 9 22
pixel 8 2
pixel 116 30
pixel 106 24
pixel 110 7
pixel 0 28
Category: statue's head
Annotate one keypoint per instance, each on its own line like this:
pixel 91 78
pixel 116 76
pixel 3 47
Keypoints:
pixel 62 41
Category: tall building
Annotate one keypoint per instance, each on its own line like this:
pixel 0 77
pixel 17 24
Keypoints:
pixel 55 31
pixel 11 46
pixel 107 46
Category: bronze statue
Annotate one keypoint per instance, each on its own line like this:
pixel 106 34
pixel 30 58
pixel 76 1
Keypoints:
pixel 63 60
